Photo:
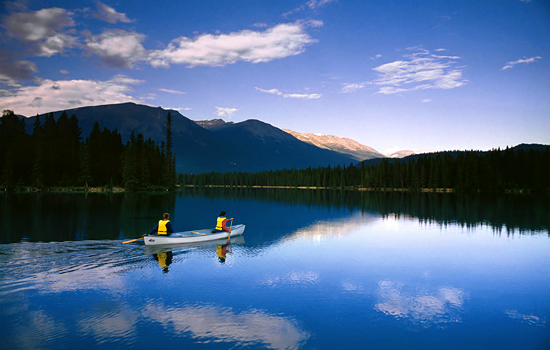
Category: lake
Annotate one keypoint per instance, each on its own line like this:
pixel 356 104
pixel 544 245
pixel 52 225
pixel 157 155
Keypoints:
pixel 313 270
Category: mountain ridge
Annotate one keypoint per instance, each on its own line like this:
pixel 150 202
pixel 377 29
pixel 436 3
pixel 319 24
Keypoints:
pixel 339 144
pixel 247 146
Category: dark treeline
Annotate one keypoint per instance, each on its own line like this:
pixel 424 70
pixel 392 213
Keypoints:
pixel 79 216
pixel 55 154
pixel 502 212
pixel 467 171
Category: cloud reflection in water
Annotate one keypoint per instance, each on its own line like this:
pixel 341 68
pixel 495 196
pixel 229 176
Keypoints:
pixel 427 308
pixel 223 324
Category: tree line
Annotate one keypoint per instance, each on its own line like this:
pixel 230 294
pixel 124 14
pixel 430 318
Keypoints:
pixel 464 171
pixel 56 154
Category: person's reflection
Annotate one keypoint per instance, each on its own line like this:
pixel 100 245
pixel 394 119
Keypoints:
pixel 221 250
pixel 164 260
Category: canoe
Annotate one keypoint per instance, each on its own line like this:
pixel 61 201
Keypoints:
pixel 181 247
pixel 193 236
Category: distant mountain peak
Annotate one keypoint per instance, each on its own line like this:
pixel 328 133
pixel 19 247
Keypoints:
pixel 212 124
pixel 338 144
pixel 401 154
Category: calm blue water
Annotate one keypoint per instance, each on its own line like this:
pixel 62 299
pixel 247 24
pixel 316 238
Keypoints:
pixel 309 273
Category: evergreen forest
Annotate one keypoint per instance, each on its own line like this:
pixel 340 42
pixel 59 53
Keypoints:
pixel 512 169
pixel 56 155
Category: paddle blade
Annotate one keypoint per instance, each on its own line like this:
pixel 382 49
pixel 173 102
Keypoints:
pixel 133 240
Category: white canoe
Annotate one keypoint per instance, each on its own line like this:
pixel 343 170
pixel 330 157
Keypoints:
pixel 193 236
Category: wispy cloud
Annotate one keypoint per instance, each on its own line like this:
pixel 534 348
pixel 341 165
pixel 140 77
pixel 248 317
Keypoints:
pixel 280 41
pixel 352 87
pixel 512 64
pixel 109 14
pixel 50 95
pixel 314 4
pixel 311 5
pixel 418 70
pixel 43 31
pixel 225 112
pixel 174 92
pixel 290 95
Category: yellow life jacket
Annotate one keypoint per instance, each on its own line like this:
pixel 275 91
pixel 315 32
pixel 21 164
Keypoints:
pixel 219 223
pixel 162 230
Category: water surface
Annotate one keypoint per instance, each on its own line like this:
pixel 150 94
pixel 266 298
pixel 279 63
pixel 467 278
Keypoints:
pixel 314 270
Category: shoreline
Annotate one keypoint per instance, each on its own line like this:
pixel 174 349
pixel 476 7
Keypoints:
pixel 59 189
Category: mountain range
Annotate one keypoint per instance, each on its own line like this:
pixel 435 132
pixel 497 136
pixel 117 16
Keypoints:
pixel 206 146
pixel 338 144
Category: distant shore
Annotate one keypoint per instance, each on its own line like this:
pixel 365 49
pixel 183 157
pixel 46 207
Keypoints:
pixel 107 189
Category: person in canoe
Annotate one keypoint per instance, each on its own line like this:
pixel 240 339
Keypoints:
pixel 164 227
pixel 221 223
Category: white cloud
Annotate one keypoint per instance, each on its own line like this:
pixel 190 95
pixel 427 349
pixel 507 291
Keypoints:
pixel 52 95
pixel 352 87
pixel 510 65
pixel 225 112
pixel 118 48
pixel 426 100
pixel 315 4
pixel 281 41
pixel 174 92
pixel 419 71
pixel 43 31
pixel 311 5
pixel 109 14
pixel 293 95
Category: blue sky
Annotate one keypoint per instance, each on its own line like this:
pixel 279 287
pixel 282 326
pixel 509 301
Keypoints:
pixel 418 75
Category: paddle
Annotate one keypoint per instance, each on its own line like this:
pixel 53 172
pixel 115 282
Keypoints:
pixel 229 236
pixel 133 240
pixel 198 233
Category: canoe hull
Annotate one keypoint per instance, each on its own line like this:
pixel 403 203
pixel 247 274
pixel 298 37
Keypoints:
pixel 203 235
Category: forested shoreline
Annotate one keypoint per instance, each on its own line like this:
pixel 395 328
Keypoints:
pixel 55 155
pixel 497 171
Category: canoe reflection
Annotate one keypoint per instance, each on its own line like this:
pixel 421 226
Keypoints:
pixel 221 251
pixel 164 259
pixel 164 254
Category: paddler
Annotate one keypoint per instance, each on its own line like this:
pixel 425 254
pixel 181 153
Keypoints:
pixel 221 223
pixel 164 227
